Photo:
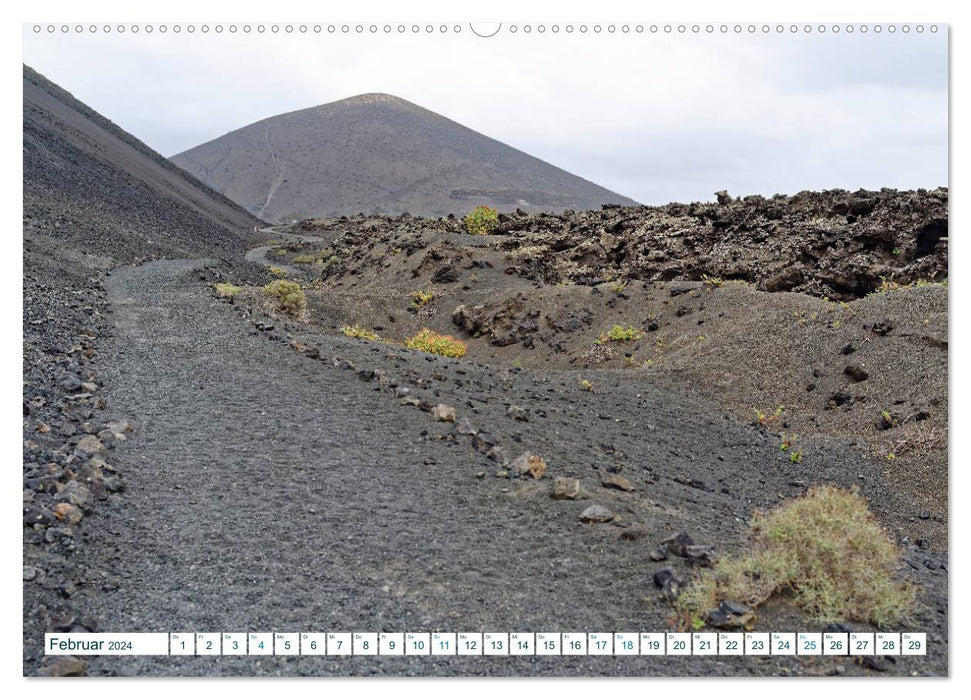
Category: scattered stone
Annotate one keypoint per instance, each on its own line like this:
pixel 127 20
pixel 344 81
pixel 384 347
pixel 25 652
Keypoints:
pixel 63 667
pixel 693 483
pixel 633 533
pixel 856 373
pixel 464 427
pixel 119 427
pixel 56 535
pixel 679 289
pixel 518 413
pixel 596 514
pixel 483 441
pixel 445 275
pixel 882 328
pixel 480 475
pixel 444 413
pixel 731 616
pixel 840 398
pixel 89 445
pixel 659 554
pixel 678 543
pixel 528 463
pixel 497 454
pixel 75 493
pixel 667 580
pixel 700 555
pixel 411 401
pixel 66 512
pixel 565 489
pixel 877 663
pixel 35 515
pixel 71 384
pixel 848 349
pixel 614 481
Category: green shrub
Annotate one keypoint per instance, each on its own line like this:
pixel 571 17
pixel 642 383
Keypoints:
pixel 277 272
pixel 225 290
pixel 619 334
pixel 360 332
pixel 436 344
pixel 303 259
pixel 825 549
pixel 289 297
pixel 422 298
pixel 482 220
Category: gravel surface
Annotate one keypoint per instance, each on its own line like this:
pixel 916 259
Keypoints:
pixel 269 491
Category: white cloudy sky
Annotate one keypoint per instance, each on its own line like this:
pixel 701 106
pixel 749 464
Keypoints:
pixel 655 117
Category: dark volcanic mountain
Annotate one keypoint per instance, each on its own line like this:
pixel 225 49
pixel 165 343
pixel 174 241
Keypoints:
pixel 92 187
pixel 378 153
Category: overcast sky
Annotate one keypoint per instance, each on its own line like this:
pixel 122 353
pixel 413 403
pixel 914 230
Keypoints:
pixel 652 116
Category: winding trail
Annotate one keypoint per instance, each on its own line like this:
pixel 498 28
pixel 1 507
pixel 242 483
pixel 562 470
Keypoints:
pixel 267 491
pixel 259 254
pixel 270 491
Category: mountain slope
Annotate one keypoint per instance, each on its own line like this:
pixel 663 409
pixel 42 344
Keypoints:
pixel 379 153
pixel 92 186
pixel 95 199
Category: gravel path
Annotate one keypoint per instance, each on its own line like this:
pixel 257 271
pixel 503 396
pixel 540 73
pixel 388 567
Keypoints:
pixel 267 491
pixel 258 255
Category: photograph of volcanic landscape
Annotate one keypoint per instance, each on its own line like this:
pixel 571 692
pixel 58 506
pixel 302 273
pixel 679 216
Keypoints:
pixel 361 368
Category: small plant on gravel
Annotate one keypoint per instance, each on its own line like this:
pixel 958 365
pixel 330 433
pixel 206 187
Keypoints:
pixel 825 550
pixel 618 287
pixel 289 297
pixel 482 220
pixel 887 420
pixel 789 444
pixel 888 285
pixel 765 420
pixel 712 282
pixel 360 332
pixel 277 272
pixel 422 298
pixel 619 334
pixel 304 259
pixel 280 252
pixel 225 290
pixel 436 343
pixel 586 385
